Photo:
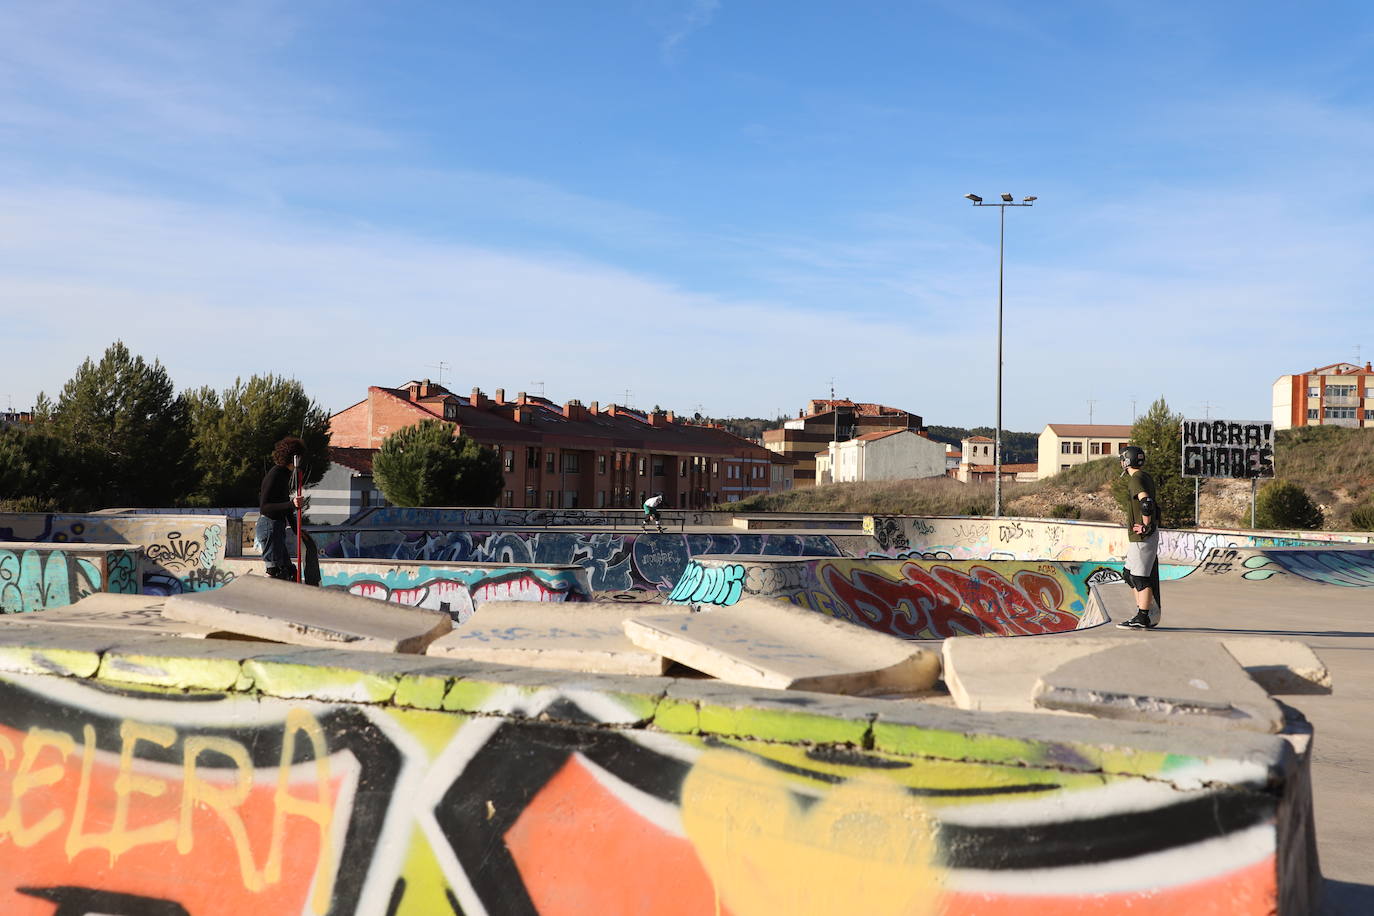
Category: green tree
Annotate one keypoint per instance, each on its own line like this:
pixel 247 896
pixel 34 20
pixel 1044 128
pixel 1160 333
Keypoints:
pixel 1159 432
pixel 232 435
pixel 123 433
pixel 426 465
pixel 1283 504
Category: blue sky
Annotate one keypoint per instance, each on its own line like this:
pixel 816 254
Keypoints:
pixel 711 205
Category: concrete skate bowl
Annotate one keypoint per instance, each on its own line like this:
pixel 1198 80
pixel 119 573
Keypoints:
pixel 1343 567
pixel 911 599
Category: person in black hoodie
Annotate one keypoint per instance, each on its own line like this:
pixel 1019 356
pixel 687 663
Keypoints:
pixel 277 504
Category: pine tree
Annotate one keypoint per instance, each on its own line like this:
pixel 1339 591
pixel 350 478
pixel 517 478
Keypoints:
pixel 123 433
pixel 1159 432
pixel 426 465
pixel 232 435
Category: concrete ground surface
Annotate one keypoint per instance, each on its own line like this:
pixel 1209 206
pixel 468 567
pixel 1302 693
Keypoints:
pixel 1338 623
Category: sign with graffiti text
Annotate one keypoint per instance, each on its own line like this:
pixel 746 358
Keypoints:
pixel 1240 449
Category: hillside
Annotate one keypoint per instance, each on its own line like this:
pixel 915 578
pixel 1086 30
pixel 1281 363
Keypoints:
pixel 1335 466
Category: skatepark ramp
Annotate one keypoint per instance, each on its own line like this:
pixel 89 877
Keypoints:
pixel 912 599
pixel 1346 567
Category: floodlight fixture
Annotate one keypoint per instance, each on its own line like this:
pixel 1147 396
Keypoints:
pixel 1006 197
pixel 975 198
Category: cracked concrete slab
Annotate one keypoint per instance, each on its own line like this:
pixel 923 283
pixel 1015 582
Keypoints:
pixel 301 615
pixel 1195 683
pixel 576 636
pixel 997 675
pixel 763 643
pixel 140 613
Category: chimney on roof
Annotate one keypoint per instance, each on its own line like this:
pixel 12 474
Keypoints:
pixel 499 396
pixel 573 410
pixel 672 418
pixel 595 408
pixel 658 418
pixel 478 399
pixel 520 397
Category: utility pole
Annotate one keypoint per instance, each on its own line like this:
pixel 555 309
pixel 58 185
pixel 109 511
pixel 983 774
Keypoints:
pixel 1091 402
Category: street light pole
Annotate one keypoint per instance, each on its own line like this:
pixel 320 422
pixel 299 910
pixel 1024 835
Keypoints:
pixel 1007 201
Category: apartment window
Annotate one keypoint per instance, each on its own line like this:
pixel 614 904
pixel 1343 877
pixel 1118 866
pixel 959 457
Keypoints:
pixel 715 468
pixel 601 464
pixel 1063 467
pixel 682 468
pixel 1095 448
pixel 548 462
pixel 531 456
pixel 1078 448
pixel 641 465
pixel 1340 391
pixel 450 411
pixel 1312 413
pixel 1340 413
pixel 548 499
pixel 364 499
pixel 1065 448
pixel 571 462
pixel 601 499
pixel 658 467
pixel 508 460
pixel 509 501
pixel 531 498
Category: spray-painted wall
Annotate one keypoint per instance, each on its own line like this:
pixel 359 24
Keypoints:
pixel 462 792
pixel 614 562
pixel 912 599
pixel 454 588
pixel 181 553
pixel 34 576
pixel 426 517
pixel 1060 539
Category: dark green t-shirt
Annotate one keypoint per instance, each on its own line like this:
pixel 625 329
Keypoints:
pixel 1135 485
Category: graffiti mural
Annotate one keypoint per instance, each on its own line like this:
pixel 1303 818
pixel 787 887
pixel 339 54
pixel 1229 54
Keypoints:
pixel 614 562
pixel 457 591
pixel 160 802
pixel 39 577
pixel 1349 568
pixel 426 517
pixel 912 599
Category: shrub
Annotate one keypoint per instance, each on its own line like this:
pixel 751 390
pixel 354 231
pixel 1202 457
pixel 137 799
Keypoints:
pixel 1363 516
pixel 1065 510
pixel 1282 504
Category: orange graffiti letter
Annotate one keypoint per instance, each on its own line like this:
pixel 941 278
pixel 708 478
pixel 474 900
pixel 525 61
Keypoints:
pixel 223 802
pixel 28 778
pixel 319 811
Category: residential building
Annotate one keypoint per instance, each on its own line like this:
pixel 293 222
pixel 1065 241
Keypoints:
pixel 889 454
pixel 16 418
pixel 576 456
pixel 1063 445
pixel 1341 394
pixel 825 421
pixel 346 488
pixel 978 463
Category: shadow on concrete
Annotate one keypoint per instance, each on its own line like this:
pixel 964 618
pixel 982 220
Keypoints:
pixel 1345 898
pixel 1244 632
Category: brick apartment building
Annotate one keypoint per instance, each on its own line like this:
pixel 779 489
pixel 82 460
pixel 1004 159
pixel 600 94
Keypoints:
pixel 824 421
pixel 1341 394
pixel 576 456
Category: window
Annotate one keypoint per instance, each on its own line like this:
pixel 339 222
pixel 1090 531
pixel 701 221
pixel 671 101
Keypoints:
pixel 531 498
pixel 715 468
pixel 641 465
pixel 531 456
pixel 601 464
pixel 508 461
pixel 571 462
pixel 1065 449
pixel 601 499
pixel 682 500
pixel 364 499
pixel 1340 391
pixel 1063 467
pixel 548 499
pixel 1340 413
pixel 1312 413
pixel 658 467
pixel 682 468
pixel 510 499
pixel 1313 391
pixel 1078 448
pixel 548 463
pixel 1095 448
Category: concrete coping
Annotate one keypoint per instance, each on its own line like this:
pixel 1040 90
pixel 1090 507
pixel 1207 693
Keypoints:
pixel 69 546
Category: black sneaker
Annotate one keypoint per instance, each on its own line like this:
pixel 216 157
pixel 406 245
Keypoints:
pixel 1141 621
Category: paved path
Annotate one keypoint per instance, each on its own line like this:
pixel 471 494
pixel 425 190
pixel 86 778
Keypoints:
pixel 1338 623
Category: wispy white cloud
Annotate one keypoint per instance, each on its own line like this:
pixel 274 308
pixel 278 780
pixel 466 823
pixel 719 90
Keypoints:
pixel 691 17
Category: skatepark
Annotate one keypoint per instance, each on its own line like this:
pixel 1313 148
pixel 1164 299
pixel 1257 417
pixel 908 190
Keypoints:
pixel 493 761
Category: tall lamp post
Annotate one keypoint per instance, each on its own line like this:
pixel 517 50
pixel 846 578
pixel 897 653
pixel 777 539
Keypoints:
pixel 1006 201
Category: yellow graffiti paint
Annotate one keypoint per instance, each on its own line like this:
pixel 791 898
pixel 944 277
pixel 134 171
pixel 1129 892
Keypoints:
pixel 865 847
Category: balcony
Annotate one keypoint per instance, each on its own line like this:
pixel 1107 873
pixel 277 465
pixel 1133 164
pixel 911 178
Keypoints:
pixel 1342 401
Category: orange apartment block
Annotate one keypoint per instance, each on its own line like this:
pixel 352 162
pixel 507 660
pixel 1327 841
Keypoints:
pixel 576 456
pixel 824 421
pixel 1341 394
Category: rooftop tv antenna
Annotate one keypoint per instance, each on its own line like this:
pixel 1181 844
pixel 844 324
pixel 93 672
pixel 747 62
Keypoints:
pixel 442 366
pixel 539 386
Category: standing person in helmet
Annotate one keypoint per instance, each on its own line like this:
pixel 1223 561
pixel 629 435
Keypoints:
pixel 1142 553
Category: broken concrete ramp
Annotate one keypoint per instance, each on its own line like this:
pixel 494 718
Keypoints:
pixel 575 636
pixel 301 615
pixel 763 643
pixel 1194 683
